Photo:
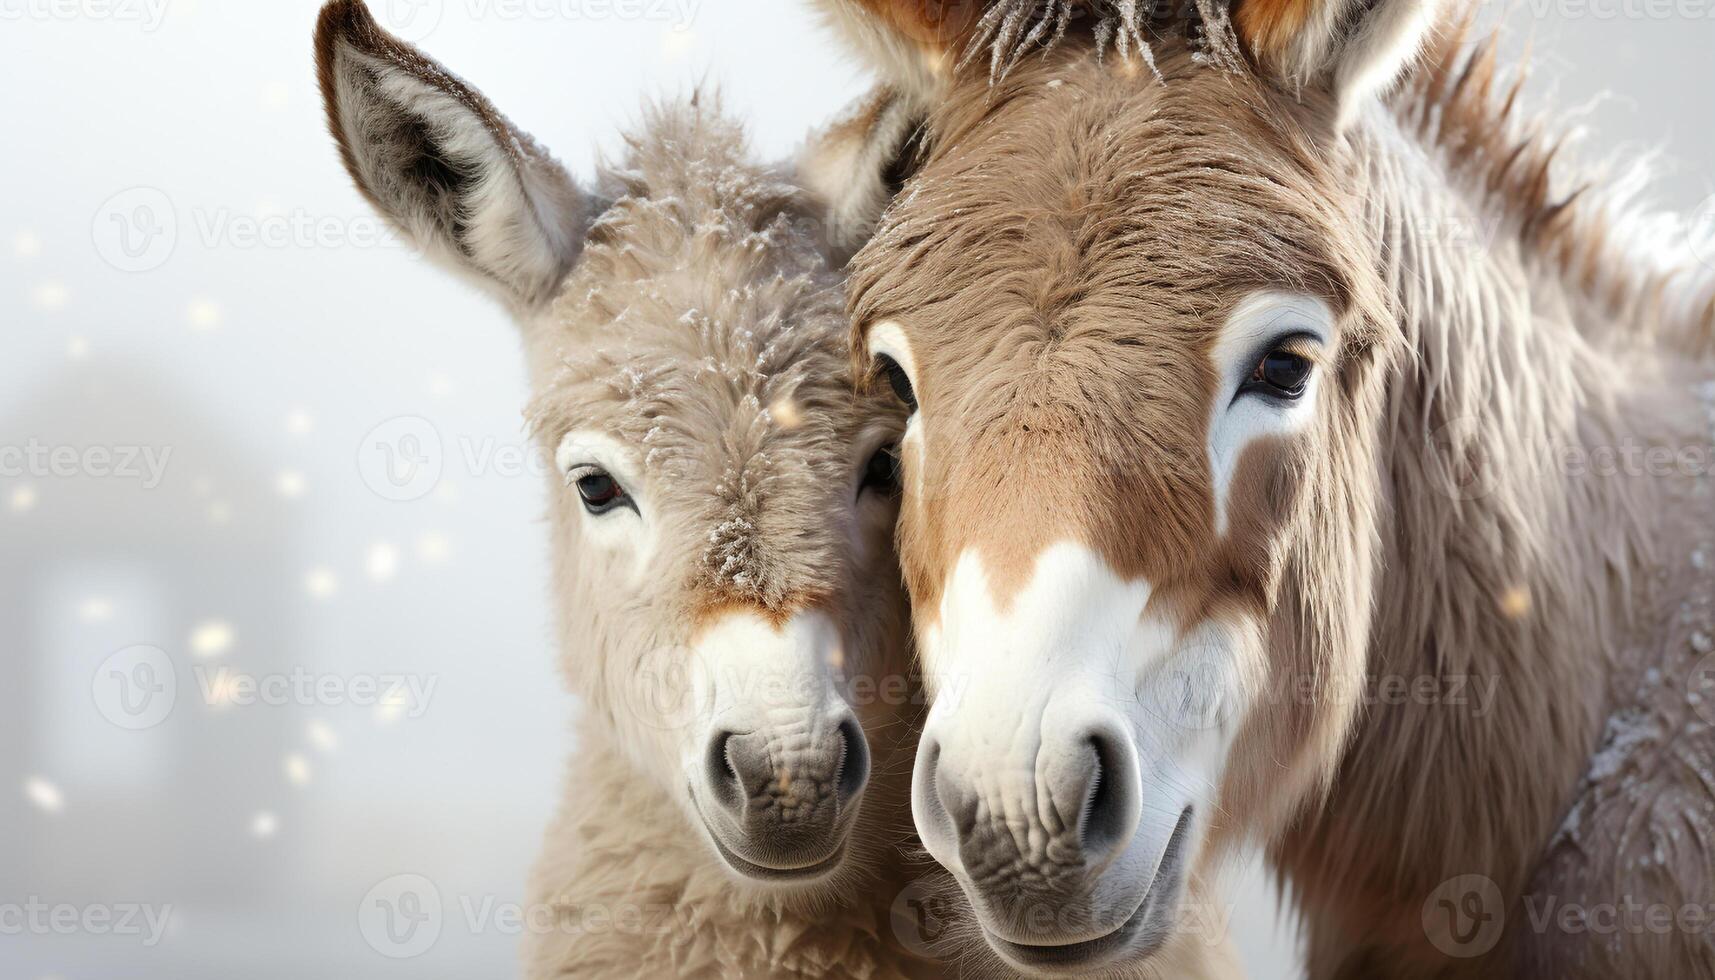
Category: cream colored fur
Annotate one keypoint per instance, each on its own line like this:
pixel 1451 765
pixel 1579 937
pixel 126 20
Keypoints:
pixel 685 315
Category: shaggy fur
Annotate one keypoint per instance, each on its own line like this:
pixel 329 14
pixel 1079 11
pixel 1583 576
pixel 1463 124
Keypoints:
pixel 1075 234
pixel 703 325
pixel 686 310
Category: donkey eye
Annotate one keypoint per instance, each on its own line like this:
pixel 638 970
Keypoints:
pixel 900 381
pixel 601 492
pixel 1280 374
pixel 881 474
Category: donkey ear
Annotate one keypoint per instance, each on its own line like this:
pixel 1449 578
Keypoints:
pixel 442 165
pixel 1354 49
pixel 912 43
pixel 855 165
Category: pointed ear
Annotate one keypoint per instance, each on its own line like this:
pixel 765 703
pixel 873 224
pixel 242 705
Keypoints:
pixel 1354 49
pixel 912 43
pixel 442 165
pixel 854 166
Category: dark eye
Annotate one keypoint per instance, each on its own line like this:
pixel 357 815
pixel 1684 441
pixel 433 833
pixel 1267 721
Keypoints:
pixel 881 474
pixel 601 493
pixel 1280 374
pixel 897 377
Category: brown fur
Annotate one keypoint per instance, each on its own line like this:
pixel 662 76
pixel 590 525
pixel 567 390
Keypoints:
pixel 1076 233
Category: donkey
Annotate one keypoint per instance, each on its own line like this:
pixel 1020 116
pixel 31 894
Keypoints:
pixel 1254 491
pixel 730 607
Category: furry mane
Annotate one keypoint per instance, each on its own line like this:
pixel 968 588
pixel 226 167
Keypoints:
pixel 1588 221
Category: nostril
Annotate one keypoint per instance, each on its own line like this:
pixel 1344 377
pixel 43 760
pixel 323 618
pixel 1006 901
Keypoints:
pixel 854 760
pixel 1106 820
pixel 723 777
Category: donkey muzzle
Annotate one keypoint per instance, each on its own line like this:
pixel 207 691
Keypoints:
pixel 779 800
pixel 781 768
pixel 1071 857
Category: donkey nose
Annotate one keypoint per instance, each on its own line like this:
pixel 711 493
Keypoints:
pixel 788 778
pixel 1090 784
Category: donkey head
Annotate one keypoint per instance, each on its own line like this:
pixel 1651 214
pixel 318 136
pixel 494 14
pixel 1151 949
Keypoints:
pixel 1129 297
pixel 722 503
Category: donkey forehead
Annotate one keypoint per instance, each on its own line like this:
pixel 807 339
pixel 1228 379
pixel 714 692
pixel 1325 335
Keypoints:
pixel 1076 184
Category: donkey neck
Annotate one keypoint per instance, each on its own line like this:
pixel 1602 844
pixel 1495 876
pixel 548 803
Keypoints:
pixel 1515 542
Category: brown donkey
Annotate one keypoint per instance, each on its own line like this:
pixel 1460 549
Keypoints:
pixel 1254 493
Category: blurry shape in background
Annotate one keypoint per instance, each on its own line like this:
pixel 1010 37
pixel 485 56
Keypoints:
pixel 203 313
pixel 95 609
pixel 321 583
pixel 433 548
pixel 290 484
pixel 391 708
pixel 50 295
pixel 25 245
pixel 322 736
pixel 23 499
pixel 211 638
pixel 383 562
pixel 77 348
pixel 299 422
pixel 264 825
pixel 297 769
pixel 45 795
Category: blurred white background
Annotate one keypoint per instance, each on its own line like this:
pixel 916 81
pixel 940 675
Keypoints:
pixel 187 274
